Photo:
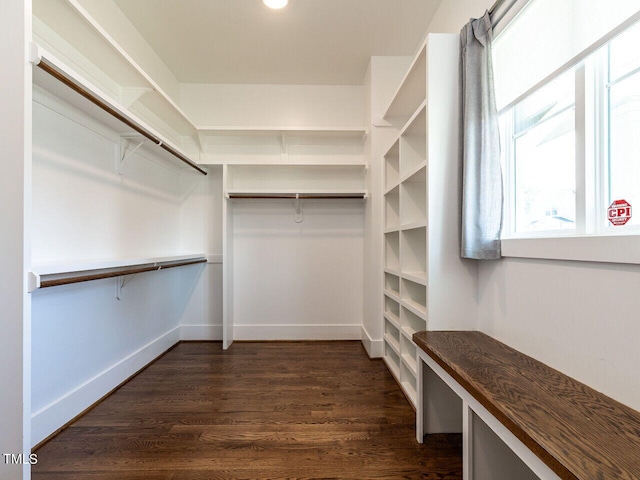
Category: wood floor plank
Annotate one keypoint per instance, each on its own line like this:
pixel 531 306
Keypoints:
pixel 260 410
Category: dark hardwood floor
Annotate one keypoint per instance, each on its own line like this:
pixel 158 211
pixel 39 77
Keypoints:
pixel 260 410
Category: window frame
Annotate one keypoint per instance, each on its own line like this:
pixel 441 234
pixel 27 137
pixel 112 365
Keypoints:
pixel 591 240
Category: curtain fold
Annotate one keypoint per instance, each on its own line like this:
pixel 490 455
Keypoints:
pixel 482 195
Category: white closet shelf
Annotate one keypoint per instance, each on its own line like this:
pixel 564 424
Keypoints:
pixel 410 391
pixel 416 123
pixel 72 31
pixel 57 78
pixel 392 295
pixel 286 179
pixel 413 225
pixel 393 319
pixel 416 308
pixel 408 332
pixel 392 343
pixel 412 89
pixel 391 188
pixel 394 367
pixel 416 277
pixel 284 138
pixel 410 362
pixel 392 271
pixel 416 170
pixel 61 273
pixel 346 133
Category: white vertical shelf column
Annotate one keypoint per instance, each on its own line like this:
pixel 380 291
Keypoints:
pixel 15 194
pixel 422 209
pixel 227 264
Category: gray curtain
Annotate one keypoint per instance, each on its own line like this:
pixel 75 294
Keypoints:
pixel 482 194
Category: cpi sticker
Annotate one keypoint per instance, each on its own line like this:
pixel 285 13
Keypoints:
pixel 619 212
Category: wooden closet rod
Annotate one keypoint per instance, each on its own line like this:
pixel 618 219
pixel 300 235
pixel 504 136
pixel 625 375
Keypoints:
pixel 71 83
pixel 98 274
pixel 300 197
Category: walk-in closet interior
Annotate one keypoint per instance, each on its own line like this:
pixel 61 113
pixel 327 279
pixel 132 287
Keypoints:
pixel 218 171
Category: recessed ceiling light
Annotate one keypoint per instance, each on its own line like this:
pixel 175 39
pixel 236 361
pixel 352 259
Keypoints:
pixel 275 4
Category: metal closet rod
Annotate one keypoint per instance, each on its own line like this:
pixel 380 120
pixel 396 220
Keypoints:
pixel 99 274
pixel 69 82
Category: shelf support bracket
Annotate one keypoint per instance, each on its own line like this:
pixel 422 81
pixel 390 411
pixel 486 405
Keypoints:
pixel 131 95
pixel 284 148
pixel 298 215
pixel 125 142
pixel 121 282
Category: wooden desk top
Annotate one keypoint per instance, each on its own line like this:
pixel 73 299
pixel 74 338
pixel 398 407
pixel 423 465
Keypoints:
pixel 578 432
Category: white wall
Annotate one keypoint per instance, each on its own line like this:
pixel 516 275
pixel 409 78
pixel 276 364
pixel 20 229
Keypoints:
pixel 452 15
pixel 578 317
pixel 15 311
pixel 273 105
pixel 201 231
pixel 85 341
pixel 297 280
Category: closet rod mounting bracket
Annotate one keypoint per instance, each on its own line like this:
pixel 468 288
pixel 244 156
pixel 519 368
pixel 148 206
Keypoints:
pixel 298 215
pixel 33 282
pixel 121 282
pixel 125 152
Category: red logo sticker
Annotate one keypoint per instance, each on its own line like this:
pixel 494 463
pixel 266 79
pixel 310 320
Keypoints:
pixel 619 212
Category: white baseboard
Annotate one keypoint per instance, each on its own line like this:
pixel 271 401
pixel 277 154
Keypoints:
pixel 374 348
pixel 201 332
pixel 58 413
pixel 296 332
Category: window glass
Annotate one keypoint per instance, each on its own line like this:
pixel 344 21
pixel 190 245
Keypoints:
pixel 544 151
pixel 624 122
pixel 546 35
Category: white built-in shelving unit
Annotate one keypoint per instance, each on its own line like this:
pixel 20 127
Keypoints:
pixel 426 284
pixel 79 64
pixel 84 67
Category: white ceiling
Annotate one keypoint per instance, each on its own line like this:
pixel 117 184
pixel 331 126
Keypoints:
pixel 310 42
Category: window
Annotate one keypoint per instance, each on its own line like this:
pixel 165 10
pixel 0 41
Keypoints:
pixel 568 92
pixel 623 113
pixel 542 183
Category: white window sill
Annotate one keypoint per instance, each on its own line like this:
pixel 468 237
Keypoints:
pixel 587 248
